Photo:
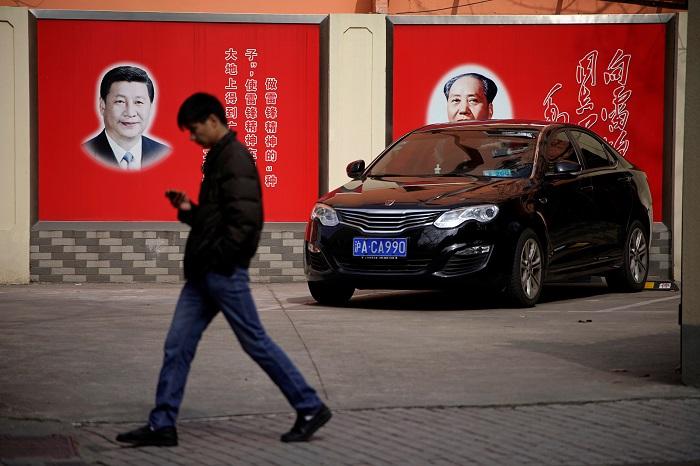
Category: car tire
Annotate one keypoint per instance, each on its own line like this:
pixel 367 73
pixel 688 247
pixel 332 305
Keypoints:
pixel 633 274
pixel 331 294
pixel 527 273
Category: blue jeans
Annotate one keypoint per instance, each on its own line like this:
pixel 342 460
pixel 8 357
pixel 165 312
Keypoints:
pixel 199 302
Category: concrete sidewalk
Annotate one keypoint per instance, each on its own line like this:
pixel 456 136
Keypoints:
pixel 586 377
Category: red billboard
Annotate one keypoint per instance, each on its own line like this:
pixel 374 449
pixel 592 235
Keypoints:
pixel 607 77
pixel 109 145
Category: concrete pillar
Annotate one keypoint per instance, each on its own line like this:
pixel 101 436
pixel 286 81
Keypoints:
pixel 681 58
pixel 690 311
pixel 17 92
pixel 356 92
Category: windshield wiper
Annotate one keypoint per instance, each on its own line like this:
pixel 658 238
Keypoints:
pixel 506 151
pixel 512 133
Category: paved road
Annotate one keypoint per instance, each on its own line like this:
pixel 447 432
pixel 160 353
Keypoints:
pixel 586 377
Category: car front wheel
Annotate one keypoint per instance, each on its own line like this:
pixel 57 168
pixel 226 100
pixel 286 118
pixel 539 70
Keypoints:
pixel 633 274
pixel 331 294
pixel 527 272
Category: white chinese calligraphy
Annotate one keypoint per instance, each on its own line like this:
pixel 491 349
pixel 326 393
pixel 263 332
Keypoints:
pixel 271 84
pixel 231 88
pixel 617 116
pixel 585 74
pixel 247 101
pixel 551 110
pixel 270 181
pixel 271 129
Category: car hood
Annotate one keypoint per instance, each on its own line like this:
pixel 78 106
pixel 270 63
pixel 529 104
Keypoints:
pixel 420 192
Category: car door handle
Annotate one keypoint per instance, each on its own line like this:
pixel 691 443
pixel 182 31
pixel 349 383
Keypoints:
pixel 586 188
pixel 625 179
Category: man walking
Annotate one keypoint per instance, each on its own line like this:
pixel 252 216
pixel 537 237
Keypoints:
pixel 226 226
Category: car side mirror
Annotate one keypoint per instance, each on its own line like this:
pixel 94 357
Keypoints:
pixel 564 168
pixel 355 169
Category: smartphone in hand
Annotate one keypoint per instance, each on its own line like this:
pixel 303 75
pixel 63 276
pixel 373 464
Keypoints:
pixel 178 199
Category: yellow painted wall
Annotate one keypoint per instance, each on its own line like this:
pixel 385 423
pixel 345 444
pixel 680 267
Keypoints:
pixel 203 6
pixel 392 7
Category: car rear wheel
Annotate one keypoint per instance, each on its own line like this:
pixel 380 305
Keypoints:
pixel 525 283
pixel 331 294
pixel 633 274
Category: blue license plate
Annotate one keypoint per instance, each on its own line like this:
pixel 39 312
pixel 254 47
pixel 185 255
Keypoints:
pixel 379 247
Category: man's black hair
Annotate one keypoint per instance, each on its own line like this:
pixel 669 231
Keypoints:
pixel 197 108
pixel 490 88
pixel 128 74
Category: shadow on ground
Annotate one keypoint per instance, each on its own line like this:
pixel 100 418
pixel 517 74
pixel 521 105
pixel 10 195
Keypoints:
pixel 656 357
pixel 468 298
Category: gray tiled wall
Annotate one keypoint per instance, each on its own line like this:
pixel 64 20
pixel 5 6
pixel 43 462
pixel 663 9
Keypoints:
pixel 152 252
pixel 660 253
pixel 147 252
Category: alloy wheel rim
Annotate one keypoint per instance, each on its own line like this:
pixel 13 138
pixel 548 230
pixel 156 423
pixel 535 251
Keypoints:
pixel 638 255
pixel 530 268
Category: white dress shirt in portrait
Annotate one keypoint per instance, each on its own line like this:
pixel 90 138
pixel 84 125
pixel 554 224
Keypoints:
pixel 119 154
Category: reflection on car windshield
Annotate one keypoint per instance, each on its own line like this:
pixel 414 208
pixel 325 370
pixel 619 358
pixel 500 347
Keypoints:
pixel 503 153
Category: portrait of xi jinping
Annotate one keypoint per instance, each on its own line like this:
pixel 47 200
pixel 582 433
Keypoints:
pixel 125 105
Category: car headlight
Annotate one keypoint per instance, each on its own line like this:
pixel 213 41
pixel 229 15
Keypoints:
pixel 456 217
pixel 325 214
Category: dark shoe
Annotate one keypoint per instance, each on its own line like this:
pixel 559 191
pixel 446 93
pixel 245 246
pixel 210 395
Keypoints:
pixel 306 425
pixel 145 436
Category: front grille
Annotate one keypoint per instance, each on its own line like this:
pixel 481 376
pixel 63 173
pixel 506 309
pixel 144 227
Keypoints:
pixel 408 267
pixel 387 220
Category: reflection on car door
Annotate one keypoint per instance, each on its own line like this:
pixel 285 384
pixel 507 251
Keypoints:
pixel 567 204
pixel 613 195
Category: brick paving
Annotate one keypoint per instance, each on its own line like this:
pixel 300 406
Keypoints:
pixel 646 431
pixel 587 377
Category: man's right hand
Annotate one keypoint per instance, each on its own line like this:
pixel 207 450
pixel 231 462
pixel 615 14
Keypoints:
pixel 178 199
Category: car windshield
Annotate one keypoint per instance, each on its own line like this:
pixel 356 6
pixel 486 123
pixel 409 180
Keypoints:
pixel 502 153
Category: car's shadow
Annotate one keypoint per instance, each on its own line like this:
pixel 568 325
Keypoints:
pixel 567 291
pixel 468 298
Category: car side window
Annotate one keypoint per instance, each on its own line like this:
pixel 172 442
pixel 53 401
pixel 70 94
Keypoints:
pixel 593 153
pixel 559 149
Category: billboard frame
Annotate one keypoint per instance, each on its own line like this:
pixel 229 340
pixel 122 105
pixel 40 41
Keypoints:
pixel 669 19
pixel 232 18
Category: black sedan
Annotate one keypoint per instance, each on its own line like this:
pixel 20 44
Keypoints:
pixel 507 204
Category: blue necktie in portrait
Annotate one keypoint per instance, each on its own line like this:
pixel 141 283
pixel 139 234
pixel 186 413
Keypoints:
pixel 127 160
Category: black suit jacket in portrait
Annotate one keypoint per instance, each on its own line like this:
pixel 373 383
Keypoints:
pixel 151 151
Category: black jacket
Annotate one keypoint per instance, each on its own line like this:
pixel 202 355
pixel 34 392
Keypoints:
pixel 227 221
